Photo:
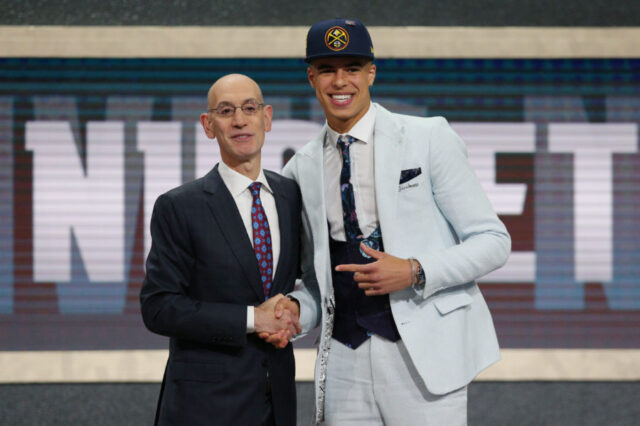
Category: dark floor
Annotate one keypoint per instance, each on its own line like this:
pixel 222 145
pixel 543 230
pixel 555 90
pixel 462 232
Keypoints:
pixel 490 403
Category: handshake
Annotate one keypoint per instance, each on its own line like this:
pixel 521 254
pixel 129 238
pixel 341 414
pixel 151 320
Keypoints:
pixel 276 320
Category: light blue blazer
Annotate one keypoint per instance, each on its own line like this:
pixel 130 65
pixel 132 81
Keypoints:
pixel 443 218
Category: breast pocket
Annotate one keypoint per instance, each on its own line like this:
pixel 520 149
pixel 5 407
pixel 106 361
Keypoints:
pixel 414 199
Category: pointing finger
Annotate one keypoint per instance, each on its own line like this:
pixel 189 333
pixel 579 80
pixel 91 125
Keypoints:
pixel 350 267
pixel 371 251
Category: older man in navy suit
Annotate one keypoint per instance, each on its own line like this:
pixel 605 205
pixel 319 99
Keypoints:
pixel 396 231
pixel 224 249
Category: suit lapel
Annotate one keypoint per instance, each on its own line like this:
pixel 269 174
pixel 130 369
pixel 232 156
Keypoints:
pixel 311 182
pixel 284 222
pixel 310 176
pixel 226 213
pixel 388 156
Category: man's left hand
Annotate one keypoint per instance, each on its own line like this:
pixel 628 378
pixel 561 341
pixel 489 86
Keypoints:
pixel 387 274
pixel 284 306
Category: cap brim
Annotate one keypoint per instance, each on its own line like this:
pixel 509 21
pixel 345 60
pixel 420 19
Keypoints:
pixel 335 54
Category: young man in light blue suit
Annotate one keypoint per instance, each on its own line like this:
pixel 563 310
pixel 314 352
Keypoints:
pixel 391 281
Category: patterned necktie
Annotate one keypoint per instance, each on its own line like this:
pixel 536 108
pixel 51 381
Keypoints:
pixel 261 239
pixel 351 227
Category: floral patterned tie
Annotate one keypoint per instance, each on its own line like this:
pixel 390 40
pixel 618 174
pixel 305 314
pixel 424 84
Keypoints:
pixel 351 227
pixel 261 239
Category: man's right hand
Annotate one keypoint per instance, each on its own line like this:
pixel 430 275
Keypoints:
pixel 284 310
pixel 276 320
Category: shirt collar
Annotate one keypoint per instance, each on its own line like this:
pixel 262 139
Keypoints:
pixel 237 183
pixel 362 130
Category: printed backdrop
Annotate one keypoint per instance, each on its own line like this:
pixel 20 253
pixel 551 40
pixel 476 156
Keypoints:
pixel 86 145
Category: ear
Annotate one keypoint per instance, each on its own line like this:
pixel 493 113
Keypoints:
pixel 372 74
pixel 267 110
pixel 311 75
pixel 206 125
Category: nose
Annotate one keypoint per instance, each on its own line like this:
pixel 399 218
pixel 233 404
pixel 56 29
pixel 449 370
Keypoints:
pixel 239 118
pixel 340 78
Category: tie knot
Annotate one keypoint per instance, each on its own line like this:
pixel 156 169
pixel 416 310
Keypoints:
pixel 345 140
pixel 255 189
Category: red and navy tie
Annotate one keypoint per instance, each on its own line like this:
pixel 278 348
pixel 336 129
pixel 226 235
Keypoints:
pixel 261 239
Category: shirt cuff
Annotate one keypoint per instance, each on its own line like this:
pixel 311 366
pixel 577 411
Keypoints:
pixel 250 320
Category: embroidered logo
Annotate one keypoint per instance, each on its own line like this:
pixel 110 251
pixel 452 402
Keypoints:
pixel 336 38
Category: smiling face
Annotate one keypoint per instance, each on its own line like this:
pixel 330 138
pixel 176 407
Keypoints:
pixel 342 87
pixel 240 136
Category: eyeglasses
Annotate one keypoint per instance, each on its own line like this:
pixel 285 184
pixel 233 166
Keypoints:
pixel 225 110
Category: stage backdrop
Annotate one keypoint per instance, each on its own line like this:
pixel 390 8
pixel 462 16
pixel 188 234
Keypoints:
pixel 86 146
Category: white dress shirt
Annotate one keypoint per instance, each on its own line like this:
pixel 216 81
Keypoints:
pixel 364 191
pixel 238 186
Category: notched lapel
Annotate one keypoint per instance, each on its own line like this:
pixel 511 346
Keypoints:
pixel 225 212
pixel 284 222
pixel 311 181
pixel 388 155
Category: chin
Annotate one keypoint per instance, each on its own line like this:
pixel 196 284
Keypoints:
pixel 343 115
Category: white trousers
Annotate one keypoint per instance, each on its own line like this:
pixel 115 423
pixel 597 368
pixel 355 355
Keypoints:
pixel 377 384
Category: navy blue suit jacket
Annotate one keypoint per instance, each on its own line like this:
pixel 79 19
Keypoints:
pixel 201 276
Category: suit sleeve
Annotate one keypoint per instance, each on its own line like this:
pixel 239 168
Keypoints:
pixel 484 243
pixel 166 306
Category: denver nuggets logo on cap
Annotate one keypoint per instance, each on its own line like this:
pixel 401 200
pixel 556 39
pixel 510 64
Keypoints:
pixel 336 38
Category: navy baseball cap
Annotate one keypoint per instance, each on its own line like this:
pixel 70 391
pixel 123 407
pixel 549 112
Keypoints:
pixel 338 37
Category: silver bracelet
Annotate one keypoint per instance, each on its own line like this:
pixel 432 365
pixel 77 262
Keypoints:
pixel 413 271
